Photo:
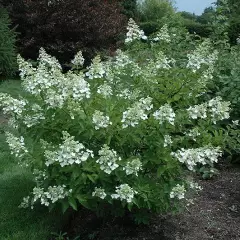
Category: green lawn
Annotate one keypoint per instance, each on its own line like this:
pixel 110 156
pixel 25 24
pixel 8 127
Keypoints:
pixel 15 183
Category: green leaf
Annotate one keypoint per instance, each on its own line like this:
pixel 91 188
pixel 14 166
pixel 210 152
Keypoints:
pixel 73 203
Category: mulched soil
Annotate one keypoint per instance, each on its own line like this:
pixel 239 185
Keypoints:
pixel 214 215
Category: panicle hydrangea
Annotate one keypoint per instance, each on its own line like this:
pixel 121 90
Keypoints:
pixel 69 152
pixel 167 140
pixel 198 111
pixel 26 69
pixel 16 145
pixel 108 159
pixel 48 61
pixel 178 192
pixel 78 87
pixel 162 61
pixel 78 60
pixel 74 108
pixel 12 106
pixel 193 133
pixel 51 195
pixel 201 55
pixel 34 117
pixel 218 109
pixel 163 35
pixel 134 32
pixel 137 112
pixel 124 192
pixel 121 60
pixel 127 94
pixel 165 113
pixel 133 167
pixel 99 192
pixel 100 121
pixel 191 157
pixel 96 70
pixel 105 89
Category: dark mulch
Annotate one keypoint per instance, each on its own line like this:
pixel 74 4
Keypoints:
pixel 215 215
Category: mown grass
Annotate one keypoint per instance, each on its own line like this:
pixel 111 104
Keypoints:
pixel 15 183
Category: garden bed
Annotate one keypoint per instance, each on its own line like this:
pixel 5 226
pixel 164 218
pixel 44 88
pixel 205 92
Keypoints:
pixel 214 215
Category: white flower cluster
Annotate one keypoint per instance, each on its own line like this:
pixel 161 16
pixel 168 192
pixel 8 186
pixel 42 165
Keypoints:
pixel 219 109
pixel 235 122
pixel 163 35
pixel 134 32
pixel 39 175
pixel 167 140
pixel 108 159
pixel 202 55
pixel 16 145
pixel 178 192
pixel 162 62
pixel 52 195
pixel 127 94
pixel 198 111
pixel 193 133
pixel 105 89
pixel 12 106
pixel 35 117
pixel 69 152
pixel 165 113
pixel 78 60
pixel 96 69
pixel 124 192
pixel 133 167
pixel 203 155
pixel 121 60
pixel 137 112
pixel 49 81
pixel 99 192
pixel 100 121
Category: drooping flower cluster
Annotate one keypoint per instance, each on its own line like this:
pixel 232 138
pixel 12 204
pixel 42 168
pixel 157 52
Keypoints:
pixel 137 112
pixel 16 145
pixel 52 195
pixel 178 192
pixel 163 35
pixel 133 167
pixel 202 55
pixel 124 192
pixel 99 192
pixel 165 114
pixel 96 69
pixel 134 32
pixel 69 152
pixel 167 140
pixel 192 157
pixel 108 159
pixel 11 106
pixel 100 121
pixel 78 60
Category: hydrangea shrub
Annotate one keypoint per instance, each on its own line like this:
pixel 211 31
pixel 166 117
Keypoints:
pixel 121 133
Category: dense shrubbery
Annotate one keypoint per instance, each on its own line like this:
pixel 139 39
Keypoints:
pixel 8 63
pixel 61 27
pixel 120 134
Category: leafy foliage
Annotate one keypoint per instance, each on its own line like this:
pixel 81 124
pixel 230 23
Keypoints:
pixel 64 26
pixel 119 135
pixel 8 62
